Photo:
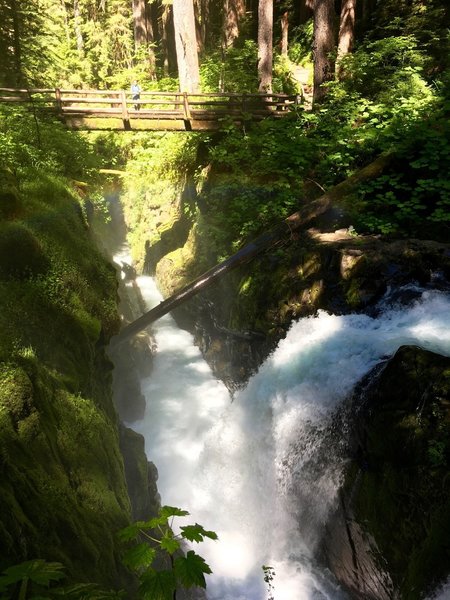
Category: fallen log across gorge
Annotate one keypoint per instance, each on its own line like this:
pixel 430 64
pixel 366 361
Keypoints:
pixel 283 230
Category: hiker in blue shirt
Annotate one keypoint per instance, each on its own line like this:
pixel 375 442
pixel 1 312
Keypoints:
pixel 136 93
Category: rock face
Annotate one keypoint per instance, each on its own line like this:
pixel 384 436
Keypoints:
pixel 389 538
pixel 354 557
pixel 140 474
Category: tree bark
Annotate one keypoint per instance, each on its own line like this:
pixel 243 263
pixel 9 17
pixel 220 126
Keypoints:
pixel 234 10
pixel 346 28
pixel 265 45
pixel 284 33
pixel 166 35
pixel 186 45
pixel 16 43
pixel 324 44
pixel 305 11
pixel 139 22
pixel 77 27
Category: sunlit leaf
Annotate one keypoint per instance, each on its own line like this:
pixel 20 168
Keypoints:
pixel 139 556
pixel 191 569
pixel 196 533
pixel 169 544
pixel 157 585
pixel 172 511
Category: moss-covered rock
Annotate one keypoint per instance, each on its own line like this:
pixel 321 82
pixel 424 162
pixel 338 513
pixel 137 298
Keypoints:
pixel 63 493
pixel 21 254
pixel 398 490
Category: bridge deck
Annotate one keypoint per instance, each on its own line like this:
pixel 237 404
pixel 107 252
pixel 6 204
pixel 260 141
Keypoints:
pixel 116 110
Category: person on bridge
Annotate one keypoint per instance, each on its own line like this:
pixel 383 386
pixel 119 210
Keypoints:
pixel 136 94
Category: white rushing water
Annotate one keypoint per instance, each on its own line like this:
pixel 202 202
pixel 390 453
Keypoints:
pixel 257 469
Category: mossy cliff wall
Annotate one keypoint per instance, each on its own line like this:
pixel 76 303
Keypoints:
pixel 63 493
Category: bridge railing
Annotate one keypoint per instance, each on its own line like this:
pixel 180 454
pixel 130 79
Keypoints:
pixel 156 105
pixel 155 111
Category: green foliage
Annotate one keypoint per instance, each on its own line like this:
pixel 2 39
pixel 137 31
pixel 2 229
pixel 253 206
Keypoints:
pixel 301 42
pixel 233 71
pixel 28 144
pixel 27 41
pixel 283 81
pixel 396 58
pixel 162 545
pixel 413 199
pixel 38 571
pixel 158 166
pixel 57 309
pixel 34 579
pixel 427 22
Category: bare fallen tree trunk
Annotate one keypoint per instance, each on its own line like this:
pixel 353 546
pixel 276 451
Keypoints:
pixel 282 231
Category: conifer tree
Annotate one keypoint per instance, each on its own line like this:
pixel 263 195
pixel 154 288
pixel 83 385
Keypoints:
pixel 186 45
pixel 265 45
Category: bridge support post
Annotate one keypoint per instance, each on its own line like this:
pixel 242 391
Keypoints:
pixel 59 106
pixel 125 115
pixel 187 112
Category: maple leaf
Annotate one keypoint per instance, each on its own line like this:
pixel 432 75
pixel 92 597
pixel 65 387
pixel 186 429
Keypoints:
pixel 191 569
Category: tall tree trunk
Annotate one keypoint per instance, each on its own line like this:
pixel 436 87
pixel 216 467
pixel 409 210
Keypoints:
pixel 77 27
pixel 265 44
pixel 284 33
pixel 234 10
pixel 150 41
pixel 167 38
pixel 346 28
pixel 143 31
pixel 16 43
pixel 66 19
pixel 139 22
pixel 324 44
pixel 186 46
pixel 200 25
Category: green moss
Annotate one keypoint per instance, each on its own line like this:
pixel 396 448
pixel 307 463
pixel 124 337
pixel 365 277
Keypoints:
pixel 21 254
pixel 62 487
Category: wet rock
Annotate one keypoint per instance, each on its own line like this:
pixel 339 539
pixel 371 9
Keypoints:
pixel 395 500
pixel 141 476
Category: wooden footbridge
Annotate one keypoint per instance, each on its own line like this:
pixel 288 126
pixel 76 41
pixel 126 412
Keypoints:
pixel 154 111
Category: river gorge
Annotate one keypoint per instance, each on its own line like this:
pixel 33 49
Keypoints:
pixel 263 466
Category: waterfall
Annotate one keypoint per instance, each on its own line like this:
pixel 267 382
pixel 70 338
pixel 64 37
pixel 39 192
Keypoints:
pixel 262 469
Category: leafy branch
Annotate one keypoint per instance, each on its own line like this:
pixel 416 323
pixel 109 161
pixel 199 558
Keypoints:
pixel 33 580
pixel 156 544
